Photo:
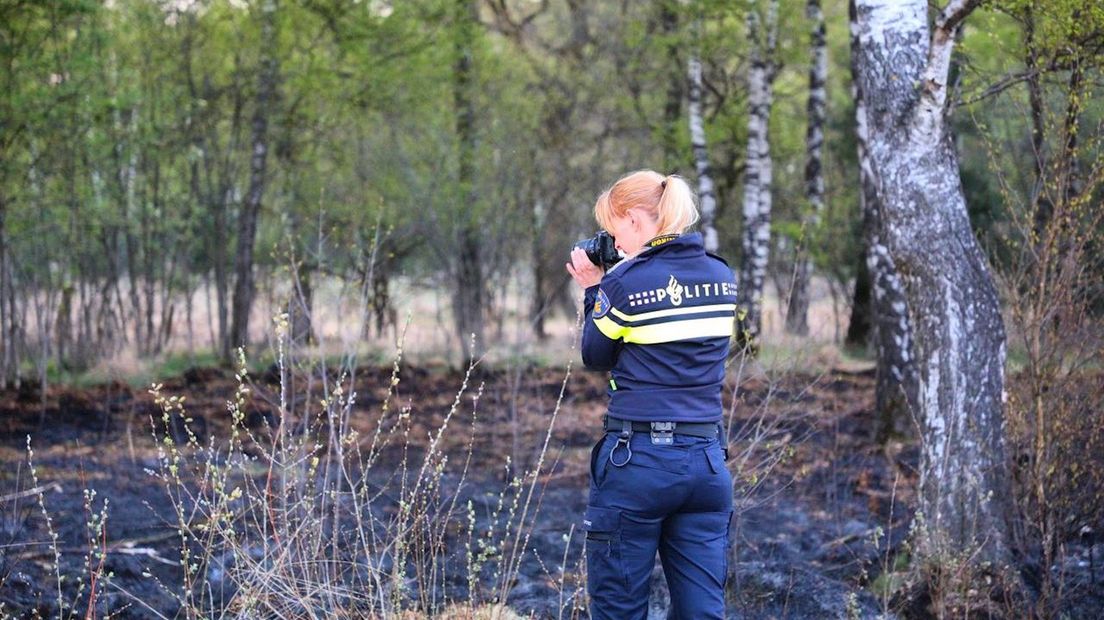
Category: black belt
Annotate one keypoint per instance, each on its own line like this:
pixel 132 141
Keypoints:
pixel 694 429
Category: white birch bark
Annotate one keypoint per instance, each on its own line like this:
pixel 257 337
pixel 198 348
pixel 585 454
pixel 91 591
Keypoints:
pixel 817 112
pixel 707 196
pixel 757 181
pixel 896 376
pixel 901 68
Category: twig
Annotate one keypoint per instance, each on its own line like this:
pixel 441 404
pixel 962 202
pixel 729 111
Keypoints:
pixel 29 492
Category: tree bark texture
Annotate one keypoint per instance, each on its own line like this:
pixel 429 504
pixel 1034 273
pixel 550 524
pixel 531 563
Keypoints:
pixel 468 298
pixel 757 180
pixel 817 112
pixel 244 284
pixel 958 339
pixel 897 379
pixel 707 195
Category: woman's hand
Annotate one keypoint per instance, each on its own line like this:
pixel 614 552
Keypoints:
pixel 586 273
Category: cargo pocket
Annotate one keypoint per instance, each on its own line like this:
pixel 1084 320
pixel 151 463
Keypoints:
pixel 602 524
pixel 603 548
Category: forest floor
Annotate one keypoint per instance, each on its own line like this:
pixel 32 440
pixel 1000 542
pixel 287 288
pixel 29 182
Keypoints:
pixel 817 534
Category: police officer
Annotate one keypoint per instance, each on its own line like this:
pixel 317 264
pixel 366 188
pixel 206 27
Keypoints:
pixel 660 322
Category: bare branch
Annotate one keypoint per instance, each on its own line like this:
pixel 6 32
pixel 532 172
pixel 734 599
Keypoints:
pixel 999 86
pixel 1011 79
pixel 510 26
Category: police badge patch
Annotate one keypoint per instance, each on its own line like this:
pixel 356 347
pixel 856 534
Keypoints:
pixel 601 304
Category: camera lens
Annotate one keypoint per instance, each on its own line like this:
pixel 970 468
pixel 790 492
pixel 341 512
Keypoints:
pixel 600 250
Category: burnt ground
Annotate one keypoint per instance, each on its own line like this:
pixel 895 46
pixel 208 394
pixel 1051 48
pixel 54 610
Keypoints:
pixel 823 509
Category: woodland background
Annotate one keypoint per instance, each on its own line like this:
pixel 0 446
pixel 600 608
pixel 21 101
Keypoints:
pixel 318 180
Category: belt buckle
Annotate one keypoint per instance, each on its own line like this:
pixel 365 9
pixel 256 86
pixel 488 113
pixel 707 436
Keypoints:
pixel 663 433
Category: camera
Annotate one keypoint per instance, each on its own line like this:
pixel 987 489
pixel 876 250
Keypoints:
pixel 600 250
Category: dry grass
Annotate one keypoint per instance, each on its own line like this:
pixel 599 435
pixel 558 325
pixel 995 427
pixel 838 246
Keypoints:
pixel 430 338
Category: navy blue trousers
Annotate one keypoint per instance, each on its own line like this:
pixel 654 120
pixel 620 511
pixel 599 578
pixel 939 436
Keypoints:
pixel 676 500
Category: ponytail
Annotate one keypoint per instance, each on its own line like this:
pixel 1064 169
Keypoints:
pixel 676 210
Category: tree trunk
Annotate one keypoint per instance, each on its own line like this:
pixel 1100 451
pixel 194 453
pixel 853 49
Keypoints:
pixel 547 263
pixel 300 305
pixel 63 328
pixel 757 181
pixel 9 362
pixel 126 173
pixel 862 312
pixel 1039 205
pixel 958 343
pixel 189 301
pixel 896 376
pixel 383 310
pixel 244 285
pixel 1069 168
pixel 468 298
pixel 817 111
pixel 219 258
pixel 707 196
pixel 536 253
pixel 151 249
pixel 672 108
pixel 211 183
pixel 226 189
pixel 897 381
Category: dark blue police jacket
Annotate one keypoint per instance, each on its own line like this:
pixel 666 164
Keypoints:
pixel 661 322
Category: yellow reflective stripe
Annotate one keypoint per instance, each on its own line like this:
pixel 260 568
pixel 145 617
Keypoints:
pixel 610 328
pixel 678 330
pixel 644 316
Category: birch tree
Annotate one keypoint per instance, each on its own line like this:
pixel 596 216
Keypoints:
pixel 762 68
pixel 896 378
pixel 901 70
pixel 706 194
pixel 817 111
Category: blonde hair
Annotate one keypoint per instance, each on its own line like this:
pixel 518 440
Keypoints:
pixel 667 199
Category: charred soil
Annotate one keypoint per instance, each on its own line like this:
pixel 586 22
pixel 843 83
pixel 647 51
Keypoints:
pixel 819 527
